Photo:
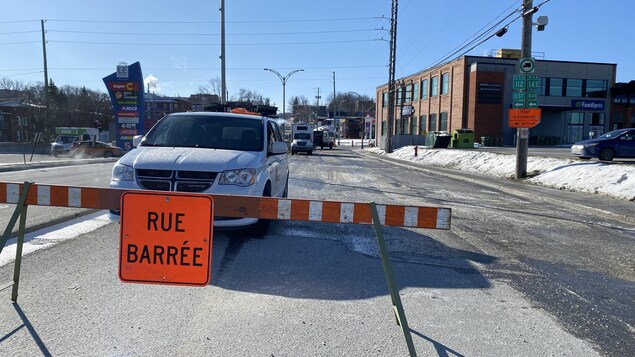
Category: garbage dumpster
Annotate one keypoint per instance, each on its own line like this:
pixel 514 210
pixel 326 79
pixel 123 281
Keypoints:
pixel 462 138
pixel 441 139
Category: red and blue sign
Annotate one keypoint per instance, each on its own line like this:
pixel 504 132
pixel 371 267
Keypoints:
pixel 125 88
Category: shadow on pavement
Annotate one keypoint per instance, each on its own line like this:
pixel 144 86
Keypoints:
pixel 30 328
pixel 299 262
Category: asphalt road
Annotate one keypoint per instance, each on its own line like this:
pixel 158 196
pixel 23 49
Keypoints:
pixel 524 271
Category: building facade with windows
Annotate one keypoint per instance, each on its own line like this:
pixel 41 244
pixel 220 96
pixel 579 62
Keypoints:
pixel 475 92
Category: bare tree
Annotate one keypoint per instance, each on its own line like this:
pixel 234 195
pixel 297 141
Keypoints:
pixel 213 86
pixel 251 96
pixel 10 84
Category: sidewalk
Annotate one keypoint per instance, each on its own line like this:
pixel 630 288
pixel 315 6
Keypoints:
pixel 13 162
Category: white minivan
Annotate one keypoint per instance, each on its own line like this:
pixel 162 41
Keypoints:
pixel 209 152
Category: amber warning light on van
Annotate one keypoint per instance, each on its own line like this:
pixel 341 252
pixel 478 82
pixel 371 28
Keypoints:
pixel 164 238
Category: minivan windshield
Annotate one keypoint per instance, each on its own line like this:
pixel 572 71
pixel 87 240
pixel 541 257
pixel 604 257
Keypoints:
pixel 207 131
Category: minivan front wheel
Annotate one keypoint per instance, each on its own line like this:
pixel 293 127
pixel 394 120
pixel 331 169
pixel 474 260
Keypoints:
pixel 260 228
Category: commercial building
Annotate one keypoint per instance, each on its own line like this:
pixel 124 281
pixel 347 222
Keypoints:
pixel 475 92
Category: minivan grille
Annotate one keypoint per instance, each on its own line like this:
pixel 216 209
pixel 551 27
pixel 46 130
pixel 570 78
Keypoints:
pixel 169 180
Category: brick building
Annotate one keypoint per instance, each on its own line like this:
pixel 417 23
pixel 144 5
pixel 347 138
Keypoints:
pixel 475 92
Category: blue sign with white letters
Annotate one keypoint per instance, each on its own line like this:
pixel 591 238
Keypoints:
pixel 585 104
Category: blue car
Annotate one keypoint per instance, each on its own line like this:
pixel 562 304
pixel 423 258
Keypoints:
pixel 615 144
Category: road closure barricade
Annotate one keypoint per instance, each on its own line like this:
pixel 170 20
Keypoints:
pixel 31 194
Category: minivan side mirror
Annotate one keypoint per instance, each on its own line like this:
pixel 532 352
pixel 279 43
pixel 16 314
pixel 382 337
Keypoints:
pixel 278 147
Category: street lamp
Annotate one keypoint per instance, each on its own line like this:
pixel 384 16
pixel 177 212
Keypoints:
pixel 284 79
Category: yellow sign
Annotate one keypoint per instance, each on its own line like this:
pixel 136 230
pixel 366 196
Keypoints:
pixel 166 238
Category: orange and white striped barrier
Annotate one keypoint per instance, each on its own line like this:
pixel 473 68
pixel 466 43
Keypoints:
pixel 242 206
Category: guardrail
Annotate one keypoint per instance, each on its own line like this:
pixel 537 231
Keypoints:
pixel 28 193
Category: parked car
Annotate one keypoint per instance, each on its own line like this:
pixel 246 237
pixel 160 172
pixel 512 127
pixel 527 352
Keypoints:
pixel 209 152
pixel 615 144
pixel 90 148
pixel 62 144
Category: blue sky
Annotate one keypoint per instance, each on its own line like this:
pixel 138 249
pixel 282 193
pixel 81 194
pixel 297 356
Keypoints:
pixel 178 43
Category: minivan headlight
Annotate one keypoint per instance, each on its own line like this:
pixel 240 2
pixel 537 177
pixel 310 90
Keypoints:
pixel 122 172
pixel 243 177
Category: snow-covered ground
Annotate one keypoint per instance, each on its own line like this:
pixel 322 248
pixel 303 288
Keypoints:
pixel 611 179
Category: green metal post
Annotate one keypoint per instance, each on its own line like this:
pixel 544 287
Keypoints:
pixel 18 255
pixel 16 214
pixel 400 315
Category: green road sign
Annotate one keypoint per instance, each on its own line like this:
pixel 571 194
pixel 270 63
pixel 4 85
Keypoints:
pixel 532 96
pixel 518 104
pixel 518 95
pixel 531 103
pixel 532 82
pixel 526 65
pixel 519 81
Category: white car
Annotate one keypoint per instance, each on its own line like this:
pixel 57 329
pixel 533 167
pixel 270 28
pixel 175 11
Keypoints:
pixel 209 152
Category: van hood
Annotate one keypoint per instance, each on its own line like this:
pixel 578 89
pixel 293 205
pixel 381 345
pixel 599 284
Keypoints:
pixel 188 159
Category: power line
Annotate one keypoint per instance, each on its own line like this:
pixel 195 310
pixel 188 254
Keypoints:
pixel 210 44
pixel 482 31
pixel 17 32
pixel 188 69
pixel 488 31
pixel 208 34
pixel 215 22
pixel 18 43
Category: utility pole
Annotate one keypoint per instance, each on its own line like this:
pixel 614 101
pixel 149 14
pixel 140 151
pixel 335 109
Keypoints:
pixel 391 77
pixel 223 80
pixel 334 116
pixel 522 144
pixel 46 74
pixel 317 110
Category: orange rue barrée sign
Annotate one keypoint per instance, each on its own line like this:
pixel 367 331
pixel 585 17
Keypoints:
pixel 166 238
pixel 524 118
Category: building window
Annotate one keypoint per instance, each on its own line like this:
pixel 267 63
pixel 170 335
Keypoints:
pixel 408 94
pixel 413 125
pixel 575 127
pixel 542 86
pixel 443 121
pixel 398 126
pixel 415 91
pixel 384 99
pixel 555 87
pixel 383 127
pixel 433 122
pixel 445 83
pixel 595 88
pixel 406 125
pixel 597 119
pixel 434 87
pixel 424 89
pixel 399 96
pixel 423 125
pixel 574 88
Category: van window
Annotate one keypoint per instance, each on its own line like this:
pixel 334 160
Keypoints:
pixel 209 131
